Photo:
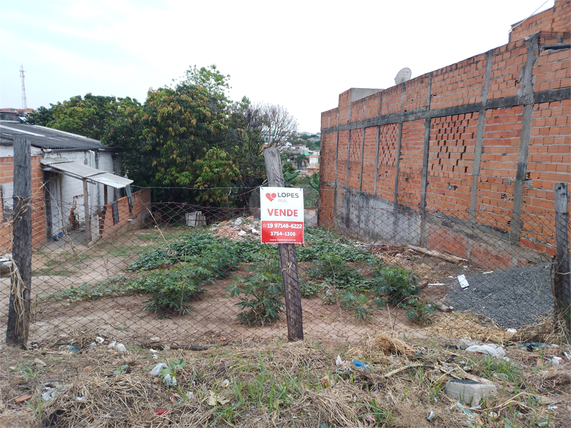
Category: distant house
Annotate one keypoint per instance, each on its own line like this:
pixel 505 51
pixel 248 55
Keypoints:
pixel 74 181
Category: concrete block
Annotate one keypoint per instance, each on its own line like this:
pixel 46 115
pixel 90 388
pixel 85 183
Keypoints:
pixel 469 392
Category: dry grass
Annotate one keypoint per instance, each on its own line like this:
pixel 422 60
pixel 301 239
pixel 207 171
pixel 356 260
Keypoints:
pixel 278 384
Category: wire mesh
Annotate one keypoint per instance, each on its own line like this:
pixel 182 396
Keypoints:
pixel 186 274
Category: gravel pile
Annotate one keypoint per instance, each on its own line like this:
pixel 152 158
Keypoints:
pixel 512 298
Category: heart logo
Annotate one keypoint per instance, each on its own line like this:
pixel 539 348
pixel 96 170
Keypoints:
pixel 271 196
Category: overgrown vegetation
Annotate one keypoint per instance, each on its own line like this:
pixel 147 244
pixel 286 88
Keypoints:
pixel 333 268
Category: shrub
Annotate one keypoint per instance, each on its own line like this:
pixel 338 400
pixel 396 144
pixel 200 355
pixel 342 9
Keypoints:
pixel 262 291
pixel 395 284
pixel 173 290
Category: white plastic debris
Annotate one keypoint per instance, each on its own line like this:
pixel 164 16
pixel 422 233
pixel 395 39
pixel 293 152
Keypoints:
pixel 463 281
pixel 190 395
pixel 48 395
pixel 493 350
pixel 339 361
pixel 99 340
pixel 120 347
pixel 112 344
pixel 511 330
pixel 225 383
pixel 463 343
pixel 81 398
pixel 169 380
pixel 567 355
pixel 157 369
pixel 556 360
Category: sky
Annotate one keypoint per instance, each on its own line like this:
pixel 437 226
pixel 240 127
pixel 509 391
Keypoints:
pixel 297 54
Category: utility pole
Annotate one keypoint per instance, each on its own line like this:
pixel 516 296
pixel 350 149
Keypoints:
pixel 22 76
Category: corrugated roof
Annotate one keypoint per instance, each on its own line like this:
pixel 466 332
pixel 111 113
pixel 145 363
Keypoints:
pixel 47 138
pixel 85 172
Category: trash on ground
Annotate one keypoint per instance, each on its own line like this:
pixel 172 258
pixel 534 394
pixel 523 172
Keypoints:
pixel 469 392
pixel 225 383
pixel 157 369
pixel 161 411
pixel 99 340
pixel 214 398
pixel 169 380
pixel 489 349
pixel 430 416
pixel 463 343
pixel 361 365
pixel 327 381
pixel 463 281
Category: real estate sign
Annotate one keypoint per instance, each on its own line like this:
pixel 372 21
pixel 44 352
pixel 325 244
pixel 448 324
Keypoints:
pixel 282 215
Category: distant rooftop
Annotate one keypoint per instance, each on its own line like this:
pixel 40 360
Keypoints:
pixel 46 138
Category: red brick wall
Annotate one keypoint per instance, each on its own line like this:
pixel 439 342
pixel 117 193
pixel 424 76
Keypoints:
pixel 555 19
pixel 444 109
pixel 141 204
pixel 38 206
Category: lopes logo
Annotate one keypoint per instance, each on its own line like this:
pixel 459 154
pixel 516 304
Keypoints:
pixel 272 196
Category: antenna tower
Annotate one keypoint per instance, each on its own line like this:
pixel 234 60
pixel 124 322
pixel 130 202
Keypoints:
pixel 24 102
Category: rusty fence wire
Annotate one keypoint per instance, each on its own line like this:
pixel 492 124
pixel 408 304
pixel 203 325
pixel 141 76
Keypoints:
pixel 184 275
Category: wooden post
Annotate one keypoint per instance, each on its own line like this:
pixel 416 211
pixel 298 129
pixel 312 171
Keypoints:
pixel 21 271
pixel 288 258
pixel 562 276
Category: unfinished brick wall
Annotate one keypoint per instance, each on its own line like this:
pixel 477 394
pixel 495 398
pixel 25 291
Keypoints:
pixel 483 141
pixel 141 207
pixel 38 205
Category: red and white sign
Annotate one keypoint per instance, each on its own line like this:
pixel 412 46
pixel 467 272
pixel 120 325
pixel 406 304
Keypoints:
pixel 282 215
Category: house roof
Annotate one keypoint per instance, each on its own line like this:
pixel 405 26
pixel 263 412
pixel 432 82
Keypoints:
pixel 46 138
pixel 81 172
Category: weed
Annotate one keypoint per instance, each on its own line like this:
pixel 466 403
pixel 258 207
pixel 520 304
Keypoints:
pixel 397 285
pixel 171 291
pixel 262 291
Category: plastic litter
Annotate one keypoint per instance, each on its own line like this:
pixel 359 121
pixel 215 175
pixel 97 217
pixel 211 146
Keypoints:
pixel 48 395
pixel 161 411
pixel 225 383
pixel 339 361
pixel 361 365
pixel 463 281
pixel 463 343
pixel 99 340
pixel 169 381
pixel 556 360
pixel 157 369
pixel 112 344
pixel 493 350
pixel 81 398
pixel 120 347
pixel 430 416
pixel 73 348
pixel 511 330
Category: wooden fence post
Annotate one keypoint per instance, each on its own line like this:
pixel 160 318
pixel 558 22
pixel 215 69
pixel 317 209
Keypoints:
pixel 288 258
pixel 562 276
pixel 21 269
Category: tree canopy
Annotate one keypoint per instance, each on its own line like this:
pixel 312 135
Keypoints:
pixel 186 135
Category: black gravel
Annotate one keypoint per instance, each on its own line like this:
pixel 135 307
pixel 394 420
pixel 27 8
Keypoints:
pixel 512 298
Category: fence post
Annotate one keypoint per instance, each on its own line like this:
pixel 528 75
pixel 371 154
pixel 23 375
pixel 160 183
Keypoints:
pixel 288 258
pixel 562 276
pixel 21 269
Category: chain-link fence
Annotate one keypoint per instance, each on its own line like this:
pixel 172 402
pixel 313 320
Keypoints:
pixel 183 275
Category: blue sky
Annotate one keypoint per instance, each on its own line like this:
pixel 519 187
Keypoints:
pixel 298 54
